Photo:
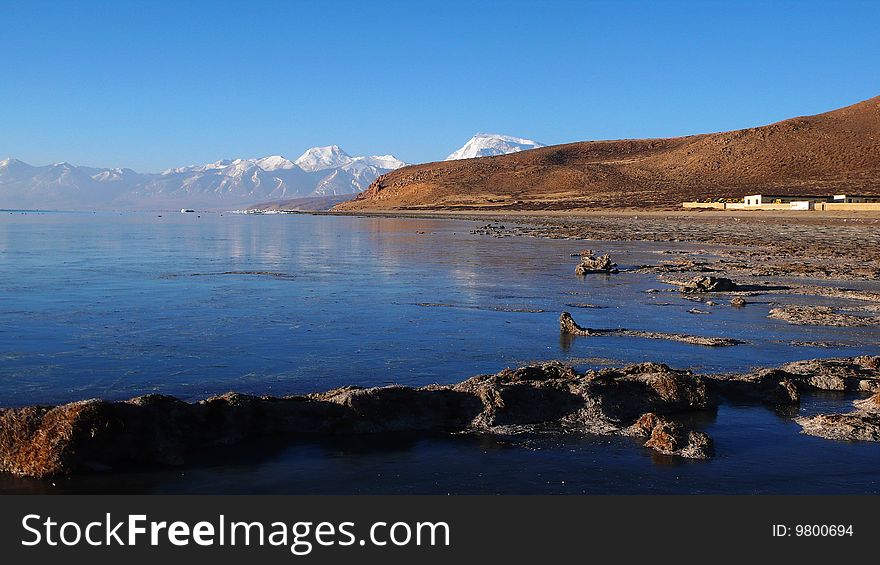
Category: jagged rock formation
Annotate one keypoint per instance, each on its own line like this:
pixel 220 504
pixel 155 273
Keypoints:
pixel 592 264
pixel 671 438
pixel 642 400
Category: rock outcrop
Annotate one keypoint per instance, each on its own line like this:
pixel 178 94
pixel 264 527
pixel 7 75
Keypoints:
pixel 819 316
pixel 707 283
pixel 851 373
pixel 773 387
pixel 646 400
pixel 42 441
pixel 671 438
pixel 568 326
pixel 591 264
pixel 862 424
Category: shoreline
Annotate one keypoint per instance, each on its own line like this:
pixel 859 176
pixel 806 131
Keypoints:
pixel 768 244
pixel 649 401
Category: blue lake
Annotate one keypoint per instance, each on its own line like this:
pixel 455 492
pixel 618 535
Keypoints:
pixel 118 305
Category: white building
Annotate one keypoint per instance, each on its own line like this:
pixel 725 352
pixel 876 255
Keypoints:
pixel 854 198
pixel 762 199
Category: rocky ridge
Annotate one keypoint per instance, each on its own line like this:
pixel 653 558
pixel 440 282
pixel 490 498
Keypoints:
pixel 644 401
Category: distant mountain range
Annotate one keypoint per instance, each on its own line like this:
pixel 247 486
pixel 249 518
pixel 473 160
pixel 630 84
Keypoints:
pixel 832 153
pixel 321 176
pixel 319 172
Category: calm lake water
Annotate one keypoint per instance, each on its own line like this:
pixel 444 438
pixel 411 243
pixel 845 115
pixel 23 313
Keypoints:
pixel 118 305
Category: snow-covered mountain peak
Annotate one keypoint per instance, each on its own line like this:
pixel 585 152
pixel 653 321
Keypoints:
pixel 382 161
pixel 323 171
pixel 320 158
pixel 488 144
pixel 10 166
pixel 274 163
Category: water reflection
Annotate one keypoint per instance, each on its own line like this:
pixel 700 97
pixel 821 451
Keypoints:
pixel 103 305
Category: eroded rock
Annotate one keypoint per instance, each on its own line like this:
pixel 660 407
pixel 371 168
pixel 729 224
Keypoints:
pixel 707 283
pixel 672 438
pixel 847 373
pixel 819 316
pixel 641 400
pixel 852 426
pixel 591 264
pixel 862 424
pixel 568 326
pixel 773 387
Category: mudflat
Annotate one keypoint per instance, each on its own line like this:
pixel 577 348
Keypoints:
pixel 836 244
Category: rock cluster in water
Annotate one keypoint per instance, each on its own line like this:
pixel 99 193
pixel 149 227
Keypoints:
pixel 645 401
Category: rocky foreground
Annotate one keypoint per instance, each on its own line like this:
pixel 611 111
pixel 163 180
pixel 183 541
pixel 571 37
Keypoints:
pixel 644 401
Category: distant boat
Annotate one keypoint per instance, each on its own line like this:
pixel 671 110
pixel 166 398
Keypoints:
pixel 186 211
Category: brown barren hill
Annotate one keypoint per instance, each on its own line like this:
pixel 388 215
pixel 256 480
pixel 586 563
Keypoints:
pixel 834 152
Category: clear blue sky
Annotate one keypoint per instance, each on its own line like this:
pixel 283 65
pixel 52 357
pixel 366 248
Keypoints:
pixel 149 85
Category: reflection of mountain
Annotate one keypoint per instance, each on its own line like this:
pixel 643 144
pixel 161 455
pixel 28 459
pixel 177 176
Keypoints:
pixel 320 171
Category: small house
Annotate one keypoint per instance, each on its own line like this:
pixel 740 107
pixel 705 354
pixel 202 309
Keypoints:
pixel 763 199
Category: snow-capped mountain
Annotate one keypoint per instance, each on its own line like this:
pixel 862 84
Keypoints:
pixel 320 158
pixel 274 163
pixel 320 171
pixel 488 144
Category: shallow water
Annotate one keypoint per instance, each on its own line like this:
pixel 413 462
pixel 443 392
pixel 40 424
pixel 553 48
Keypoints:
pixel 117 305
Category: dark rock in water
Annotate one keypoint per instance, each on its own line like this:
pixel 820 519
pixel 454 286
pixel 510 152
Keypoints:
pixel 705 283
pixel 640 400
pixel 849 373
pixel 852 426
pixel 153 429
pixel 149 430
pixel 671 438
pixel 591 264
pixel 625 394
pixel 773 387
pixel 862 424
pixel 783 386
pixel 568 326
pixel 398 408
